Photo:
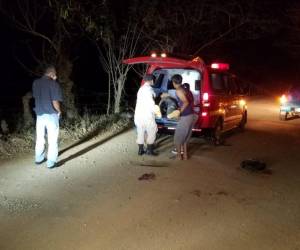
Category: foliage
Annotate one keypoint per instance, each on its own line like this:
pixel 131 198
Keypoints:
pixel 190 26
pixel 90 125
pixel 86 127
pixel 290 38
pixel 52 30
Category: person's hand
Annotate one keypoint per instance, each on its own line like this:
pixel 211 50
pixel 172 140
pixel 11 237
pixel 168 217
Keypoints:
pixel 157 111
pixel 174 115
pixel 164 95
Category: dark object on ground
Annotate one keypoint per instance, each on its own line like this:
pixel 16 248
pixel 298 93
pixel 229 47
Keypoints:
pixel 253 165
pixel 150 176
pixel 150 150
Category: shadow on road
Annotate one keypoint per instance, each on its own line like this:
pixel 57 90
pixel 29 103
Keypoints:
pixel 89 148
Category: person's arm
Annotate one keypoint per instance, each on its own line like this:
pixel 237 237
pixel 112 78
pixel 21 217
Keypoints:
pixel 185 103
pixel 164 95
pixel 56 106
pixel 56 97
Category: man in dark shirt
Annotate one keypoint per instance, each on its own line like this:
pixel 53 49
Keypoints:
pixel 47 95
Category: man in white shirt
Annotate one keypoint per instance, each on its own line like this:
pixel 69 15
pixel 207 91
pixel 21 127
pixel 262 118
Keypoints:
pixel 144 117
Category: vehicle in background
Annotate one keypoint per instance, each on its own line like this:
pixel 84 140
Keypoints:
pixel 218 95
pixel 290 103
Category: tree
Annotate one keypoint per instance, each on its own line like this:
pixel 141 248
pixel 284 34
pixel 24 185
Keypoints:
pixel 50 25
pixel 114 41
pixel 291 41
pixel 192 26
pixel 111 59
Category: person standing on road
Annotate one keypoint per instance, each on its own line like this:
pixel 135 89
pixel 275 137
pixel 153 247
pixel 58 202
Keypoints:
pixel 47 95
pixel 144 117
pixel 187 117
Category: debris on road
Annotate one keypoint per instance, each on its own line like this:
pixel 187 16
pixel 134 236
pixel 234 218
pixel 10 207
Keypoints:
pixel 197 193
pixel 253 165
pixel 147 176
pixel 222 193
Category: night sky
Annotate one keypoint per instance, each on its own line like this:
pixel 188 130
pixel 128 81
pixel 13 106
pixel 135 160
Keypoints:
pixel 260 61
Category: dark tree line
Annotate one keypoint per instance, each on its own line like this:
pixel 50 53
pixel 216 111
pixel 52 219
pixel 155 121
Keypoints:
pixel 119 30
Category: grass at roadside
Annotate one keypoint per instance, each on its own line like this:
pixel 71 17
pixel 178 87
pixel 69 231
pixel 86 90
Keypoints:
pixel 79 129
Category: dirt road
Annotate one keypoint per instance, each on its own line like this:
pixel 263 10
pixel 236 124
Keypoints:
pixel 95 200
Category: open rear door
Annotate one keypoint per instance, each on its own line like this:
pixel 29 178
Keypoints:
pixel 164 62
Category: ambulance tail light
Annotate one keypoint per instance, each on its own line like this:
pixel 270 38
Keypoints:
pixel 205 99
pixel 205 96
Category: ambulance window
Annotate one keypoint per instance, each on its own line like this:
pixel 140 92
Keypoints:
pixel 191 77
pixel 241 86
pixel 219 82
pixel 226 83
pixel 197 84
pixel 233 86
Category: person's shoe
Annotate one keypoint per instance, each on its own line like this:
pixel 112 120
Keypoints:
pixel 141 149
pixel 150 150
pixel 174 151
pixel 51 164
pixel 39 162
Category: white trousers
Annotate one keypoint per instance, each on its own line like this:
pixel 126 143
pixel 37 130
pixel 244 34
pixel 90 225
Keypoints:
pixel 146 132
pixel 47 123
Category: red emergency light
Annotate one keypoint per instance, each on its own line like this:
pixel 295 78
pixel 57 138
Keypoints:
pixel 220 66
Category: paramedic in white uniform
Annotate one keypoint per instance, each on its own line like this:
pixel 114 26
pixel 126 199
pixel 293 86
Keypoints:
pixel 144 117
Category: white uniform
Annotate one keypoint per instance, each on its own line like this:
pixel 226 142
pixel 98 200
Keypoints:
pixel 144 116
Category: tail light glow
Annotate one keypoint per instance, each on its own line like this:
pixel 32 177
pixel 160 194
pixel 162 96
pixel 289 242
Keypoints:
pixel 205 97
pixel 205 100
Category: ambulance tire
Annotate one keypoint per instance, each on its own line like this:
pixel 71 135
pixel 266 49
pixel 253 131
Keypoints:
pixel 243 122
pixel 218 135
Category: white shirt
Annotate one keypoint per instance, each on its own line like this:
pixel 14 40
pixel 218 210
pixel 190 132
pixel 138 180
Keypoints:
pixel 144 109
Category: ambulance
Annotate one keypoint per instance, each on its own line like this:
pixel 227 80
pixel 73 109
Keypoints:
pixel 219 96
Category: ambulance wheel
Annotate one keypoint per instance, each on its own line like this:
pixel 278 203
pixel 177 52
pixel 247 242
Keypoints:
pixel 243 122
pixel 218 137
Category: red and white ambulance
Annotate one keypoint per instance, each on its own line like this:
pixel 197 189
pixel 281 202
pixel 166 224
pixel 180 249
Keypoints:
pixel 219 97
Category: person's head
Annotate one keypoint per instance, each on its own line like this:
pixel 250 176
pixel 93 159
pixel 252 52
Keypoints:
pixel 148 78
pixel 176 80
pixel 186 86
pixel 50 71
